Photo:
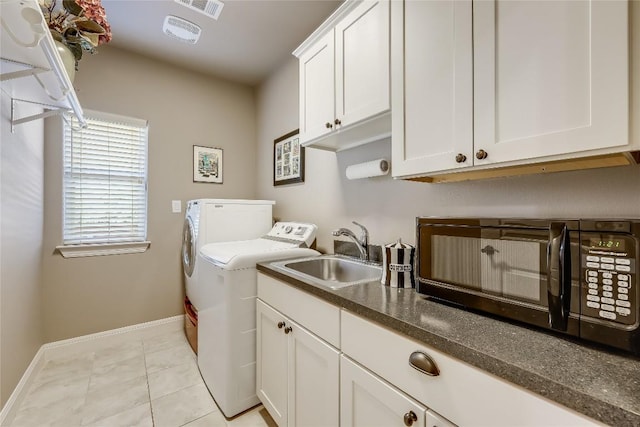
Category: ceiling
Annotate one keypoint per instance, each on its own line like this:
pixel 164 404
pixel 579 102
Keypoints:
pixel 249 40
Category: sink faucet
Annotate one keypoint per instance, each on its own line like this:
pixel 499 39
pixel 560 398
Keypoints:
pixel 362 243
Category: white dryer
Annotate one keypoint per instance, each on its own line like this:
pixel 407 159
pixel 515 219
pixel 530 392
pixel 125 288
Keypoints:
pixel 219 220
pixel 227 318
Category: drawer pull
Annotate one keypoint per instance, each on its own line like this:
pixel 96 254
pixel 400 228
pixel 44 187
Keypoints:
pixel 410 418
pixel 288 329
pixel 281 325
pixel 423 363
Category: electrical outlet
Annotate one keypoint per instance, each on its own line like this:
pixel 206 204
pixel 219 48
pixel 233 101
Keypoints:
pixel 176 206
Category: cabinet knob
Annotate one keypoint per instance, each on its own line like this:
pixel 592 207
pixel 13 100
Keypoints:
pixel 481 155
pixel 423 363
pixel 461 158
pixel 410 418
pixel 288 329
pixel 328 125
pixel 281 325
pixel 337 122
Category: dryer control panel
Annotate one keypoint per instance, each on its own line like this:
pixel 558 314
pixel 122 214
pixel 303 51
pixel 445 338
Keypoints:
pixel 295 231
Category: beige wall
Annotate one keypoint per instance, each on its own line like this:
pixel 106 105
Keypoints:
pixel 21 211
pixel 388 207
pixel 88 295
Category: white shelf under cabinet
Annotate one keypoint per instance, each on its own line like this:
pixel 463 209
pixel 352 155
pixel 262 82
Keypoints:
pixel 31 69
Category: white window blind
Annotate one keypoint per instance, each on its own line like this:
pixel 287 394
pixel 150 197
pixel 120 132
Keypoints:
pixel 105 180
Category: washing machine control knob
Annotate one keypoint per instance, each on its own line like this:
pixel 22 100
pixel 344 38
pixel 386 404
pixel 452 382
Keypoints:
pixel 287 229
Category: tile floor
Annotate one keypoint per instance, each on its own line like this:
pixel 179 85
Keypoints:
pixel 152 381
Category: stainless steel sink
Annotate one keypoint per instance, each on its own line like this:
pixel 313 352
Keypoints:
pixel 331 271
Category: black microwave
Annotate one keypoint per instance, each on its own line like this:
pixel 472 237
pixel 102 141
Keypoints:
pixel 578 277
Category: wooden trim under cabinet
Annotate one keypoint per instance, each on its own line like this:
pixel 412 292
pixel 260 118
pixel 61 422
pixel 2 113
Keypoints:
pixel 604 161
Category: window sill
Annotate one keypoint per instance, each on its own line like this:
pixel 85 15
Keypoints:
pixel 78 251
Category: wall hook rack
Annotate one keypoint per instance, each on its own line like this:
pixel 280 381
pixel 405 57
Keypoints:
pixel 31 70
pixel 50 110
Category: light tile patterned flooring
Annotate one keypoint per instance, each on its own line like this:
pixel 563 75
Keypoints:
pixel 152 381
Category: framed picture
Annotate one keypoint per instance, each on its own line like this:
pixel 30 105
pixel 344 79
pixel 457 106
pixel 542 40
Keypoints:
pixel 207 164
pixel 288 159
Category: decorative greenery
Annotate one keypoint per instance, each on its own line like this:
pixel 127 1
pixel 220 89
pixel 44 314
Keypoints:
pixel 80 24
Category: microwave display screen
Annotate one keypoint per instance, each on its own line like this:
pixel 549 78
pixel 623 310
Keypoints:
pixel 601 243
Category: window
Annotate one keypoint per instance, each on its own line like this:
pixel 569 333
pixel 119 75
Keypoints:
pixel 105 185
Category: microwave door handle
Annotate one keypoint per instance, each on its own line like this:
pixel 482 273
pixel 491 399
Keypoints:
pixel 558 275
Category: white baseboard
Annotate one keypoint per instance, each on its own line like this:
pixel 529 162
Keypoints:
pixel 99 340
pixel 10 408
pixel 57 349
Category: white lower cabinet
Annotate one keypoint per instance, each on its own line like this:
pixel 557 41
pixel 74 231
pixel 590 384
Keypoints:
pixel 319 365
pixel 465 395
pixel 312 380
pixel 297 372
pixel 368 401
pixel 271 362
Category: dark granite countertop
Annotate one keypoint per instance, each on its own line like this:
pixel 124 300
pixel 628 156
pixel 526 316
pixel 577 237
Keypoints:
pixel 600 383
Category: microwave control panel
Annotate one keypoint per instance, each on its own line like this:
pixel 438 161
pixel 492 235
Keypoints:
pixel 609 277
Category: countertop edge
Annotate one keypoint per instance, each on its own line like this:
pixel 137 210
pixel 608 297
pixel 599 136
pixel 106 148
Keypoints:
pixel 556 392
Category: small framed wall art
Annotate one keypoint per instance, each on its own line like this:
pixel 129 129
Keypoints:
pixel 288 159
pixel 207 164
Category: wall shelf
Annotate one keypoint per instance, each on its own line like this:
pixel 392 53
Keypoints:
pixel 31 69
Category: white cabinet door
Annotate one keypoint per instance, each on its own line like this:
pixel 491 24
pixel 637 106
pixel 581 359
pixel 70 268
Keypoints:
pixel 317 86
pixel 297 373
pixel 435 420
pixel 367 401
pixel 313 380
pixel 550 77
pixel 362 62
pixel 271 366
pixel 432 86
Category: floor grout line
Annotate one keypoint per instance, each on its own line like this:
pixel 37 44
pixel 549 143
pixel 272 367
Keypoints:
pixel 76 417
pixel 146 372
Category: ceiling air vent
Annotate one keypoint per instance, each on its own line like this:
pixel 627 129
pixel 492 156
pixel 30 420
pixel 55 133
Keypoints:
pixel 211 8
pixel 181 29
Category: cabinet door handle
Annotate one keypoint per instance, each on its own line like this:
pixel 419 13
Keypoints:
pixel 281 325
pixel 328 125
pixel 481 155
pixel 422 362
pixel 461 158
pixel 288 329
pixel 410 418
pixel 337 122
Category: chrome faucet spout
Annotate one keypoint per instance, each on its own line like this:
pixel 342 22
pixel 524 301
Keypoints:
pixel 362 243
pixel 343 232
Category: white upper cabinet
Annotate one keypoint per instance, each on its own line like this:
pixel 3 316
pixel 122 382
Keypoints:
pixel 362 63
pixel 344 78
pixel 432 85
pixel 551 77
pixel 501 83
pixel 317 83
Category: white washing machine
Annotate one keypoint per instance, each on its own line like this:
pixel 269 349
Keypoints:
pixel 219 220
pixel 227 318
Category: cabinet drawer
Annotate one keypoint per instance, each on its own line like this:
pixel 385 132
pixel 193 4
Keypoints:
pixel 366 400
pixel 322 318
pixel 463 394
